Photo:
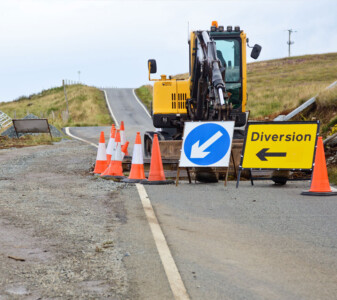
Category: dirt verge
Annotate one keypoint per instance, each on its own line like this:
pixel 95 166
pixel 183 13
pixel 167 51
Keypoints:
pixel 58 226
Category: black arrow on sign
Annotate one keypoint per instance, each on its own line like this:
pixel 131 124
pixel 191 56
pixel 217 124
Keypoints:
pixel 262 154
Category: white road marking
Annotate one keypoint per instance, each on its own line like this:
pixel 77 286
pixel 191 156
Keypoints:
pixel 140 103
pixel 78 138
pixel 110 110
pixel 171 270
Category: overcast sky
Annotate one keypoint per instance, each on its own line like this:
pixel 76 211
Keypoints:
pixel 109 42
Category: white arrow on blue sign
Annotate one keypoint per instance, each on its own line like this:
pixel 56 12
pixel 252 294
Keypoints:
pixel 207 144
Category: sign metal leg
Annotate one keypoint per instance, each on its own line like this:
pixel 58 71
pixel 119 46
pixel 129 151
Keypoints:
pixel 189 175
pixel 238 180
pixel 177 178
pixel 251 177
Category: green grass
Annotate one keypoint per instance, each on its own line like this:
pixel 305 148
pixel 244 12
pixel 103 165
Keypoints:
pixel 144 93
pixel 279 85
pixel 87 106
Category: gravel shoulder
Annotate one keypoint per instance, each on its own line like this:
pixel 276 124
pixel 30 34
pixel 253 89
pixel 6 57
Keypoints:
pixel 62 222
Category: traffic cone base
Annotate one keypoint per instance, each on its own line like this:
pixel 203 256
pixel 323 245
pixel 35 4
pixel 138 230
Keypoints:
pixel 320 185
pixel 100 166
pixel 308 193
pixel 155 182
pixel 112 177
pixel 128 180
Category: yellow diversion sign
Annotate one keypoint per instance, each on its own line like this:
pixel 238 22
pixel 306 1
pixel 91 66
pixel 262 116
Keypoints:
pixel 280 145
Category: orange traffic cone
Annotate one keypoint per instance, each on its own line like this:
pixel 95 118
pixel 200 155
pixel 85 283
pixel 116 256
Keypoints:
pixel 109 149
pixel 320 185
pixel 123 138
pixel 101 160
pixel 137 166
pixel 115 169
pixel 156 174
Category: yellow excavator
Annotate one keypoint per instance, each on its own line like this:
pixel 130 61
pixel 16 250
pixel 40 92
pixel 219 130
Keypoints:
pixel 216 88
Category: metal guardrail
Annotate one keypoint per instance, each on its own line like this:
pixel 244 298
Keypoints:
pixel 301 107
pixel 5 120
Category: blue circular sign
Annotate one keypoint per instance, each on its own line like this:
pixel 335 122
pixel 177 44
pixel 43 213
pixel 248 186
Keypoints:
pixel 207 144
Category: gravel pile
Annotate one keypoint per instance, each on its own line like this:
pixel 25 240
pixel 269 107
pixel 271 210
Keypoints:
pixel 10 132
pixel 58 226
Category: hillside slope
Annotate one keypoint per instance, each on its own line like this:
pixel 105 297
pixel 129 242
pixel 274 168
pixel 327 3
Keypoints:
pixel 283 84
pixel 87 106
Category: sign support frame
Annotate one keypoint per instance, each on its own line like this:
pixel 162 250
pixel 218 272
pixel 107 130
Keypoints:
pixel 216 171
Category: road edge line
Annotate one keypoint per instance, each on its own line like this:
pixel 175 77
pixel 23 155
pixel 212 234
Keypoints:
pixel 171 270
pixel 78 138
pixel 140 103
pixel 110 110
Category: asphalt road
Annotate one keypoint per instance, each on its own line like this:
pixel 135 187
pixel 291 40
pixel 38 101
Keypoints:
pixel 260 242
pixel 255 242
pixel 125 108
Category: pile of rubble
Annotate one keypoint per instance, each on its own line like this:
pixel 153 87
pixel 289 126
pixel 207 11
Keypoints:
pixel 10 132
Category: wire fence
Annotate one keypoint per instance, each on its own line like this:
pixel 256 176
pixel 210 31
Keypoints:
pixel 5 120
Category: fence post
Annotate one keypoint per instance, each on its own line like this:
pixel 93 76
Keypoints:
pixel 65 95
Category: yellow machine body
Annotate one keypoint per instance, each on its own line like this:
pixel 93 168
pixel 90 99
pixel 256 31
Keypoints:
pixel 170 95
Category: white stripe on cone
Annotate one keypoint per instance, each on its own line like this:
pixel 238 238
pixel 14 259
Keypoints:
pixel 109 149
pixel 123 138
pixel 137 156
pixel 118 152
pixel 101 152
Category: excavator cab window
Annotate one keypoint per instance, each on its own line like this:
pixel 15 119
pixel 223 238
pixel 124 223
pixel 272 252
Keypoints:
pixel 229 54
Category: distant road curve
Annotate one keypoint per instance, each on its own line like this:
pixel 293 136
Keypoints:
pixel 123 105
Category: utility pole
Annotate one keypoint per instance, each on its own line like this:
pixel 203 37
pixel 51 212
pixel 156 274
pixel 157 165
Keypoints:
pixel 79 76
pixel 290 42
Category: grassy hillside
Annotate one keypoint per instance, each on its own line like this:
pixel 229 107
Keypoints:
pixel 87 106
pixel 282 84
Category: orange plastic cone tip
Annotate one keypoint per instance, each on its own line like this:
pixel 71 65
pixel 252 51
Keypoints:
pixel 101 138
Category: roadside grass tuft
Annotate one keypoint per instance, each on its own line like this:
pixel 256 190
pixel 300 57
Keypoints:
pixel 144 93
pixel 327 99
pixel 332 171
